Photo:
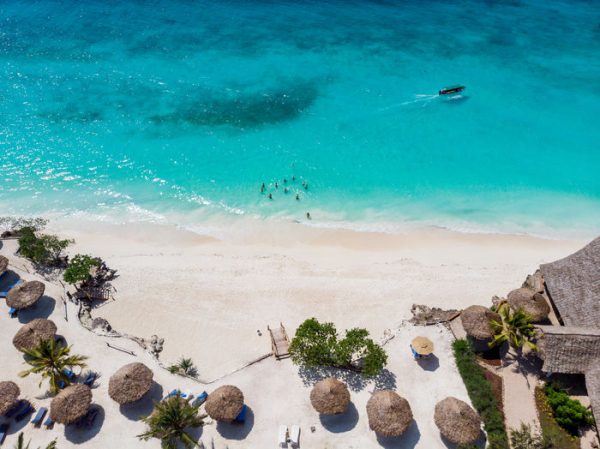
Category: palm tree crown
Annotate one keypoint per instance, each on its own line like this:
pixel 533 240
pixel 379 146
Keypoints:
pixel 514 328
pixel 21 443
pixel 50 360
pixel 169 422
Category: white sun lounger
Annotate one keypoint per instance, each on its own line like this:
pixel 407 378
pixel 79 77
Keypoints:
pixel 295 436
pixel 282 438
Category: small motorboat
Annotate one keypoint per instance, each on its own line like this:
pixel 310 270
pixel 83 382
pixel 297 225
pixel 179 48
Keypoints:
pixel 451 90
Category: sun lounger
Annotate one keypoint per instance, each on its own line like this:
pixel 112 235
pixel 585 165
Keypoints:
pixel 241 417
pixel 12 312
pixel 295 436
pixel 39 416
pixel 20 405
pixel 90 379
pixel 28 410
pixel 200 398
pixel 61 384
pixel 3 432
pixel 5 294
pixel 49 422
pixel 70 374
pixel 282 436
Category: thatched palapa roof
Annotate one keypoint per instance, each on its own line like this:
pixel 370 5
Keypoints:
pixel 25 295
pixel 389 414
pixel 422 345
pixel 3 264
pixel 476 322
pixel 9 394
pixel 573 284
pixel 330 396
pixel 71 404
pixel 569 350
pixel 225 403
pixel 130 383
pixel 457 421
pixel 33 333
pixel 532 303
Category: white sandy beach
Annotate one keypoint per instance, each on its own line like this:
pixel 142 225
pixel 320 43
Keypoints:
pixel 208 297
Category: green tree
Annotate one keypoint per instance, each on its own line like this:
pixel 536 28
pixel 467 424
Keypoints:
pixel 78 270
pixel 169 423
pixel 21 443
pixel 514 328
pixel 50 360
pixel 316 344
pixel 569 413
pixel 44 249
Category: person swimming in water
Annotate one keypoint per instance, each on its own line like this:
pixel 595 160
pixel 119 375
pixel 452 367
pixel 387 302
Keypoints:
pixel 297 197
pixel 276 185
pixel 308 216
pixel 306 186
pixel 284 181
pixel 270 196
pixel 293 178
pixel 285 190
pixel 262 188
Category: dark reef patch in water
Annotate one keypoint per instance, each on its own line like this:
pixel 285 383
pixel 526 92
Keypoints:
pixel 246 110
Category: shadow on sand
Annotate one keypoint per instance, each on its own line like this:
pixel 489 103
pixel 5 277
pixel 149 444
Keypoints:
pixel 341 423
pixel 430 363
pixel 406 441
pixel 79 435
pixel 233 431
pixel 42 309
pixel 355 381
pixel 144 406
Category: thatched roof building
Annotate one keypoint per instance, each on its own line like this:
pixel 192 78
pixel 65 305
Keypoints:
pixel 25 295
pixel 3 264
pixel 573 285
pixel 457 421
pixel 9 394
pixel 532 303
pixel 225 403
pixel 330 396
pixel 33 333
pixel 389 414
pixel 476 322
pixel 130 383
pixel 569 350
pixel 71 404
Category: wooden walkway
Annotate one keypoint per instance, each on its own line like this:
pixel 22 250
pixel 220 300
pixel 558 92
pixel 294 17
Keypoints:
pixel 280 343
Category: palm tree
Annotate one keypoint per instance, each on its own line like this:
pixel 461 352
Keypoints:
pixel 169 421
pixel 514 328
pixel 21 443
pixel 184 366
pixel 51 360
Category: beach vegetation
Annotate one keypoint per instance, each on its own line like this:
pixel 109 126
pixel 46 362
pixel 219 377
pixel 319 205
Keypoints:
pixel 79 270
pixel 21 443
pixel 11 226
pixel 554 436
pixel 568 413
pixel 51 360
pixel 515 327
pixel 42 249
pixel 481 394
pixel 526 437
pixel 170 421
pixel 184 366
pixel 317 345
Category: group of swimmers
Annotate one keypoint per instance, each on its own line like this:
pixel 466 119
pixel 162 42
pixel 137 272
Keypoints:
pixel 286 190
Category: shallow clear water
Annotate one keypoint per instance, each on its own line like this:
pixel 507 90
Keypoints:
pixel 178 110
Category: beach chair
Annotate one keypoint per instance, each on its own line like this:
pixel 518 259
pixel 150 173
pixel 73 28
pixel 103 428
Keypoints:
pixel 70 374
pixel 39 416
pixel 90 379
pixel 175 392
pixel 5 293
pixel 49 423
pixel 20 405
pixel 200 398
pixel 186 395
pixel 295 436
pixel 61 384
pixel 3 432
pixel 28 410
pixel 282 436
pixel 12 312
pixel 241 417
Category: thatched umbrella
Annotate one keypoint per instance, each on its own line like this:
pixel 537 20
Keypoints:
pixel 457 421
pixel 531 302
pixel 71 404
pixel 225 403
pixel 33 333
pixel 9 393
pixel 330 396
pixel 25 295
pixel 389 414
pixel 130 383
pixel 422 345
pixel 476 322
pixel 3 264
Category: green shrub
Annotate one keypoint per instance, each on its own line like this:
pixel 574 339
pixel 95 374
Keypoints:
pixel 79 268
pixel 44 249
pixel 554 436
pixel 569 413
pixel 481 394
pixel 316 344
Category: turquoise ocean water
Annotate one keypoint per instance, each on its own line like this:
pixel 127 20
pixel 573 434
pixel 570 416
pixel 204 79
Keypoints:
pixel 176 111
